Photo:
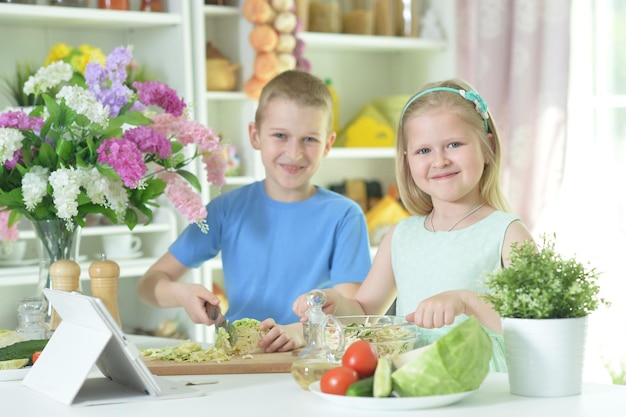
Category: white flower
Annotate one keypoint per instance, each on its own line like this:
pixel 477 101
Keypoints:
pixel 10 142
pixel 117 197
pixel 48 77
pixel 34 186
pixel 104 191
pixel 65 184
pixel 83 102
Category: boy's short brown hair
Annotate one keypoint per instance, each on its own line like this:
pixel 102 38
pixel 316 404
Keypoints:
pixel 301 87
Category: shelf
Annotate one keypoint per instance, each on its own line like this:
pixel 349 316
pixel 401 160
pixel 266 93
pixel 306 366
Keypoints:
pixel 83 17
pixel 359 153
pixel 29 275
pixel 225 96
pixel 221 11
pixel 386 44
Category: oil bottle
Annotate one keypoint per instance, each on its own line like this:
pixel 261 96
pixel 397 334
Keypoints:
pixel 318 356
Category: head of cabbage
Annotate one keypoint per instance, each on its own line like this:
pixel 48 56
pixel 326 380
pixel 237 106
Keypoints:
pixel 457 362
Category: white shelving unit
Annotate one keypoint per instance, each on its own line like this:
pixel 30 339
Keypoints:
pixel 161 41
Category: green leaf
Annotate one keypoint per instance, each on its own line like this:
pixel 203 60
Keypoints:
pixel 134 118
pixel 47 155
pixel 65 149
pixel 53 108
pixel 191 178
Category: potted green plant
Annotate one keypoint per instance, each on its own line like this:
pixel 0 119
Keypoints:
pixel 544 299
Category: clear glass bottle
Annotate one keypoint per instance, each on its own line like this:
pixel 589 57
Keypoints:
pixel 317 357
pixel 324 16
pixel 31 313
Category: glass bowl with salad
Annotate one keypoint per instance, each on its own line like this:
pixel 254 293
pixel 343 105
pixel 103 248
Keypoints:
pixel 389 335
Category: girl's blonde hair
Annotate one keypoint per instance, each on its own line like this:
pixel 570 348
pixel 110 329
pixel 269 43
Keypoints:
pixel 300 87
pixel 415 199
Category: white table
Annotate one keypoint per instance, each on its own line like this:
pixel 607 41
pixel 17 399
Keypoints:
pixel 278 395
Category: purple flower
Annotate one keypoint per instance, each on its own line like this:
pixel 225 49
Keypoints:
pixel 159 94
pixel 125 158
pixel 107 84
pixel 149 140
pixel 20 120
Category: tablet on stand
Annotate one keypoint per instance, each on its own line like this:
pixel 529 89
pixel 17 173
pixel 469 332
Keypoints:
pixel 87 336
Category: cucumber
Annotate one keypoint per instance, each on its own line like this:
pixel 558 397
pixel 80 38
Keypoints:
pixel 22 350
pixel 361 388
pixel 382 378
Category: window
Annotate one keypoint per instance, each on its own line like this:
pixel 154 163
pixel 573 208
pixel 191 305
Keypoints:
pixel 591 213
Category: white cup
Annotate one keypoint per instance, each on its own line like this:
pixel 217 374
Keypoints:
pixel 122 246
pixel 13 251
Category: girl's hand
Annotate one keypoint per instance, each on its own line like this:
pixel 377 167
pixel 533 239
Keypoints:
pixel 438 310
pixel 300 306
pixel 281 338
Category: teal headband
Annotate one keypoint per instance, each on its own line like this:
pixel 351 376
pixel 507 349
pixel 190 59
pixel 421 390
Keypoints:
pixel 473 96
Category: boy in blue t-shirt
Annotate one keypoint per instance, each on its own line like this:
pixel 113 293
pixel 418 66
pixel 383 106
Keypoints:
pixel 279 237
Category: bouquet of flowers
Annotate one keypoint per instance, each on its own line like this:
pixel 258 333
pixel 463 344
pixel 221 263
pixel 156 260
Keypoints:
pixel 102 148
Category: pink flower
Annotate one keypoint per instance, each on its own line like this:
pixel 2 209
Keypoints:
pixel 159 94
pixel 186 132
pixel 215 164
pixel 149 140
pixel 186 200
pixel 125 158
pixel 20 120
pixel 7 234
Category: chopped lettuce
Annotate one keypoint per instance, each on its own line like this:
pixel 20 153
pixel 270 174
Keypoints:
pixel 248 336
pixel 457 362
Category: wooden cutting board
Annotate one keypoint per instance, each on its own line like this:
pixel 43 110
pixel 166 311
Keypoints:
pixel 259 363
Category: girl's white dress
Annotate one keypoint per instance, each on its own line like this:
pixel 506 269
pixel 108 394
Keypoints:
pixel 426 263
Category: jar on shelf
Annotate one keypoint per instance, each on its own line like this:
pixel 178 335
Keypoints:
pixel 151 6
pixel 325 16
pixel 114 4
pixel 68 3
pixel 385 17
pixel 358 17
pixel 31 313
pixel 407 18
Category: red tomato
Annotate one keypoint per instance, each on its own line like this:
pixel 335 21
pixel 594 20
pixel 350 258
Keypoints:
pixel 362 357
pixel 337 380
pixel 36 356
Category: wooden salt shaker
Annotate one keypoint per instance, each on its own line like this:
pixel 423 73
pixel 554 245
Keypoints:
pixel 64 276
pixel 105 284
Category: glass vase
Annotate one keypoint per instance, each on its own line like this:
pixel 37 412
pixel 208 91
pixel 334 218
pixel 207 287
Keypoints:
pixel 56 241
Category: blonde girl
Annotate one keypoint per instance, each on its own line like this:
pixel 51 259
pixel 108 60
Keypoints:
pixel 433 263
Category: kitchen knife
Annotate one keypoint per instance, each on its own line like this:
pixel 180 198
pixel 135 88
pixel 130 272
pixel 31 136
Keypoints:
pixel 215 314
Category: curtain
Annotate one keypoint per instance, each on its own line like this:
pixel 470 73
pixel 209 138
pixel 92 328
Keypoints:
pixel 516 54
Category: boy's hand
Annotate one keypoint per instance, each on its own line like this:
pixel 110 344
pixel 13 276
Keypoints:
pixel 195 299
pixel 281 338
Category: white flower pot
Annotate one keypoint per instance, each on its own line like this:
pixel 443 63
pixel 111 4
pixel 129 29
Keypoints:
pixel 545 356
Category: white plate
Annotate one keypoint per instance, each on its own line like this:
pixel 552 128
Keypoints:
pixel 21 262
pixel 133 255
pixel 390 403
pixel 14 374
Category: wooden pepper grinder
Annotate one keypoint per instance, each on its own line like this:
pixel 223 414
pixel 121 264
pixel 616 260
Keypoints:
pixel 105 284
pixel 64 276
